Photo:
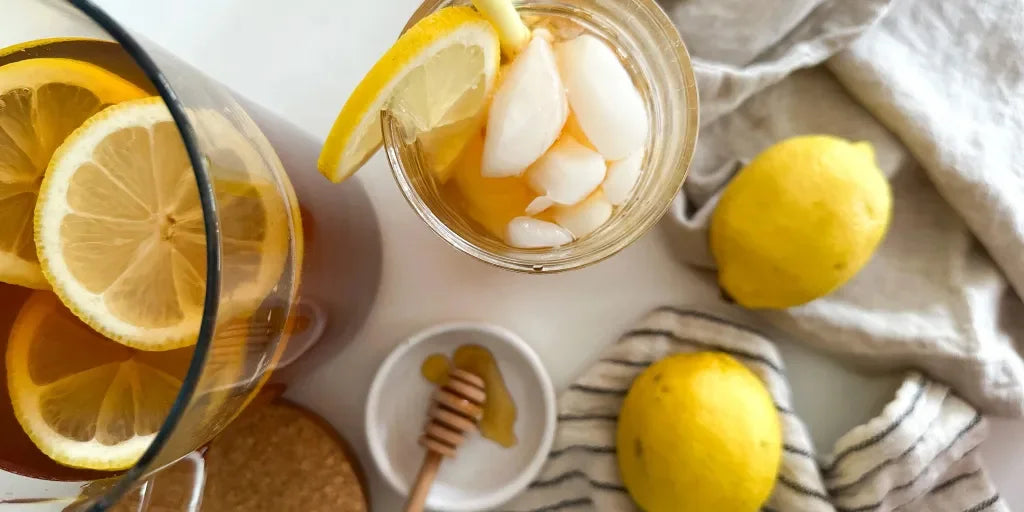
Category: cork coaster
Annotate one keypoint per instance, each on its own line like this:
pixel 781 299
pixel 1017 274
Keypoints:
pixel 276 457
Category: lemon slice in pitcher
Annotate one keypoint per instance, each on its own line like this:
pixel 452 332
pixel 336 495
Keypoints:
pixel 84 400
pixel 120 230
pixel 437 76
pixel 41 102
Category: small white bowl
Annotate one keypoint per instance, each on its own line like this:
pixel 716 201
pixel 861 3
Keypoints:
pixel 483 474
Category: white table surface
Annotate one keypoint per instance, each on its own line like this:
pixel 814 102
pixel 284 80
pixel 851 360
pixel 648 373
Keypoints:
pixel 300 59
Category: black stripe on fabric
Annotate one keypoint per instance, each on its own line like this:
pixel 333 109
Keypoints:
pixel 984 504
pixel 742 354
pixel 961 434
pixel 605 486
pixel 588 417
pixel 878 437
pixel 598 391
pixel 597 450
pixel 839 489
pixel 797 451
pixel 800 489
pixel 627 362
pixel 705 316
pixel 562 505
pixel 953 481
pixel 948 483
pixel 768 509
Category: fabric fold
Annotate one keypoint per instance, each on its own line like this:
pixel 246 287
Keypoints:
pixel 948 80
pixel 935 87
pixel 739 50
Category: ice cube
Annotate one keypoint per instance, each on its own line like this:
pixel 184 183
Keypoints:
pixel 544 33
pixel 527 112
pixel 602 96
pixel 622 177
pixel 538 205
pixel 583 218
pixel 530 233
pixel 573 129
pixel 567 173
pixel 559 27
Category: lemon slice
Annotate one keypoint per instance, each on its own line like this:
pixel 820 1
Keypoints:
pixel 41 102
pixel 84 400
pixel 438 74
pixel 120 230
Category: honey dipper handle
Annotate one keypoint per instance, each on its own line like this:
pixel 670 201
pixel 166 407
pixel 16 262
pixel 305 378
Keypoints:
pixel 421 487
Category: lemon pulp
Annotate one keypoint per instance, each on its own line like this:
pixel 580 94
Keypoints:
pixel 437 76
pixel 121 235
pixel 84 400
pixel 41 102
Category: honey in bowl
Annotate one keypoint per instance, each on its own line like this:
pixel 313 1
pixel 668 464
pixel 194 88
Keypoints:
pixel 499 417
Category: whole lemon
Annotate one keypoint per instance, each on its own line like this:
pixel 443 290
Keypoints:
pixel 799 221
pixel 698 432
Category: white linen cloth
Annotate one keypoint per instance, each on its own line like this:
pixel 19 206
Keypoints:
pixel 916 455
pixel 937 87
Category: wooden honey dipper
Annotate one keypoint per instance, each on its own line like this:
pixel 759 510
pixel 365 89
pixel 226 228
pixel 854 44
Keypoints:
pixel 458 406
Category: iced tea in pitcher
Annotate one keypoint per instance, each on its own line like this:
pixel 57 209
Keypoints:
pixel 104 255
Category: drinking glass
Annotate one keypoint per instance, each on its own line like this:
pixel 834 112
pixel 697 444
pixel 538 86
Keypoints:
pixel 234 355
pixel 650 47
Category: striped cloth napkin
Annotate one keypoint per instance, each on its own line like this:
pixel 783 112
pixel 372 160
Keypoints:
pixel 917 455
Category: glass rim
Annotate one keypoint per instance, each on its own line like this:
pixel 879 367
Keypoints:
pixel 393 132
pixel 125 481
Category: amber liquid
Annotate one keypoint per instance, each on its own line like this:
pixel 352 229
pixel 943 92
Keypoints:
pixel 499 418
pixel 17 452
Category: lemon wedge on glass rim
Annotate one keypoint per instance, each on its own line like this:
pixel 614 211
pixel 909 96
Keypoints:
pixel 435 79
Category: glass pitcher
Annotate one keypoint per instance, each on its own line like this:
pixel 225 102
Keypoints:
pixel 236 348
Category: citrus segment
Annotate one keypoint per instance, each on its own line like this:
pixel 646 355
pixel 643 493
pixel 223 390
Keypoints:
pixel 41 102
pixel 121 233
pixel 84 400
